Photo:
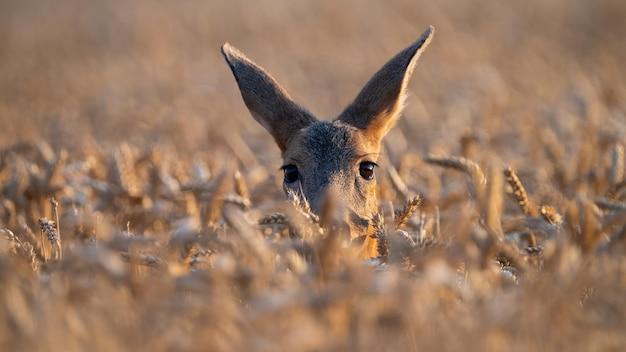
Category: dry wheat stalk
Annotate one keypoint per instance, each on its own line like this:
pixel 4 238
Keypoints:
pixel 297 229
pixel 407 212
pixel 607 204
pixel 213 210
pixel 241 202
pixel 550 214
pixel 584 162
pixel 465 165
pixel 611 223
pixel 492 204
pixel 241 188
pixel 32 255
pixel 143 259
pixel 380 236
pixel 508 255
pixel 274 219
pixel 24 248
pixel 397 183
pixel 555 151
pixel 49 229
pixel 423 225
pixel 124 171
pixel 10 236
pixel 519 192
pixel 42 245
pixel 27 236
pixel 589 226
pixel 437 223
pixel 617 237
pixel 302 206
pixel 469 167
pixel 469 141
pixel 55 214
pixel 615 191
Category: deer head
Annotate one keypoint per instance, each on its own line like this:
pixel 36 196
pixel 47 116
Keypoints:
pixel 335 157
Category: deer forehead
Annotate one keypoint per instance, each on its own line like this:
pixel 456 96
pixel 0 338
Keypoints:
pixel 332 144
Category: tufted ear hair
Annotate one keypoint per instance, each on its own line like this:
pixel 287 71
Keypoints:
pixel 380 102
pixel 266 100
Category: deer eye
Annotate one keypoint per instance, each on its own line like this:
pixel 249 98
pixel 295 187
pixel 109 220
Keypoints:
pixel 366 170
pixel 291 173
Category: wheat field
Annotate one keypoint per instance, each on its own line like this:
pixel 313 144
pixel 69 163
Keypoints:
pixel 141 207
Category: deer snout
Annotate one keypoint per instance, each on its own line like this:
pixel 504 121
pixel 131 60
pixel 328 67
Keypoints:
pixel 329 197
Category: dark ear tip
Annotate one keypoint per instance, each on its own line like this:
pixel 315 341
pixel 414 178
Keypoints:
pixel 422 42
pixel 426 35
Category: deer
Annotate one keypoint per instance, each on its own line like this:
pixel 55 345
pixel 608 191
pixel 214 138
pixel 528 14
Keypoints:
pixel 337 157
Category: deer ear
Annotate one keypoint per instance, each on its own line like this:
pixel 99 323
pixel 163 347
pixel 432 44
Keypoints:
pixel 267 101
pixel 380 102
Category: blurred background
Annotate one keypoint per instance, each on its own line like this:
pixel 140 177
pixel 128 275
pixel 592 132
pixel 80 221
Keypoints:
pixel 75 72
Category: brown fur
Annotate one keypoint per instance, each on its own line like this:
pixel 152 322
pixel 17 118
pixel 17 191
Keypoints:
pixel 328 154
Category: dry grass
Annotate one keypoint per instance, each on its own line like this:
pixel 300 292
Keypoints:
pixel 141 207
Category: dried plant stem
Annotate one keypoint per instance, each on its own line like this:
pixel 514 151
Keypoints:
pixel 550 215
pixel 589 226
pixel 607 204
pixel 398 184
pixel 614 192
pixel 142 259
pixel 24 248
pixel 241 188
pixel 405 214
pixel 556 154
pixel 469 167
pixel 48 228
pixel 44 250
pixel 302 206
pixel 437 223
pixel 55 214
pixel 274 219
pixel 380 237
pixel 243 203
pixel 617 237
pixel 214 207
pixel 519 192
pixel 492 204
pixel 469 142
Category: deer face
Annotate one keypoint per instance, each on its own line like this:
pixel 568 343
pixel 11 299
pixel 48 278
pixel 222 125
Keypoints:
pixel 332 159
pixel 329 158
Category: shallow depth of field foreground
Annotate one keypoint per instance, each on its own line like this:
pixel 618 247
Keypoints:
pixel 141 206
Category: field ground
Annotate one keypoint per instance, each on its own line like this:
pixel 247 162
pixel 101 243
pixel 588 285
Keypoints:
pixel 121 121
